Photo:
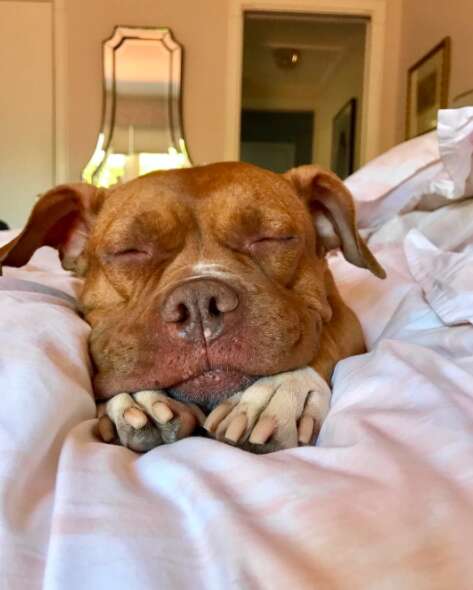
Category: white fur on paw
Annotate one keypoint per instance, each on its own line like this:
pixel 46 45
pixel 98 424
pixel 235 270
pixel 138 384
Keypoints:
pixel 280 411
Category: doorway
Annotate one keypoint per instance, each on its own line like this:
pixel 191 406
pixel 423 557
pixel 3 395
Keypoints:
pixel 299 66
pixel 277 140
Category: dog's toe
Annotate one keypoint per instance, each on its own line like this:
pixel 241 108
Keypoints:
pixel 174 419
pixel 133 427
pixel 106 429
pixel 275 413
pixel 140 439
pixel 144 420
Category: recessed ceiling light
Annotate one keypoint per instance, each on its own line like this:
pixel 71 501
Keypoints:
pixel 286 57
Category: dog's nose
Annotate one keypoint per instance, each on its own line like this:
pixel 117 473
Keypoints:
pixel 197 309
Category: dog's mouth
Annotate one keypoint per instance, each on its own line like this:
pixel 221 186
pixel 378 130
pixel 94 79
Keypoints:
pixel 211 386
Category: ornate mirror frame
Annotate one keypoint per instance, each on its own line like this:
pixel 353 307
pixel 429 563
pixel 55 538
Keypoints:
pixel 141 127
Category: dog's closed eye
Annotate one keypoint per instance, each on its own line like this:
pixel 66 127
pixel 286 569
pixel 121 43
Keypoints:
pixel 266 243
pixel 275 239
pixel 131 252
pixel 129 255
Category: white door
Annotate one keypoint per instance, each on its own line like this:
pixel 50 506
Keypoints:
pixel 26 106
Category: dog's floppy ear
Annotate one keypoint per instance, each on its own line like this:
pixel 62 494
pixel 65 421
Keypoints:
pixel 62 218
pixel 331 206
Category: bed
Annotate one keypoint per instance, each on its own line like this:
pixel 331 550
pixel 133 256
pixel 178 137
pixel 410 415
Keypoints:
pixel 385 499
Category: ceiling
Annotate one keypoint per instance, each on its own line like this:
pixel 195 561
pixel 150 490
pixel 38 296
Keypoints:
pixel 323 42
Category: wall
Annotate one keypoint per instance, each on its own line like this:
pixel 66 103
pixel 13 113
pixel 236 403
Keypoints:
pixel 203 35
pixel 346 83
pixel 201 29
pixel 412 28
pixel 423 26
pixel 26 107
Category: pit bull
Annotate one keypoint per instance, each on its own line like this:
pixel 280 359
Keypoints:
pixel 209 298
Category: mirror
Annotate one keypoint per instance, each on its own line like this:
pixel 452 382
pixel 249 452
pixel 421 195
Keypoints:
pixel 141 127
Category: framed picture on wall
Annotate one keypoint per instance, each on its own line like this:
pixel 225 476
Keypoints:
pixel 427 89
pixel 343 139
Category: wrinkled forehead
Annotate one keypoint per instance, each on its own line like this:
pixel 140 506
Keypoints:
pixel 222 196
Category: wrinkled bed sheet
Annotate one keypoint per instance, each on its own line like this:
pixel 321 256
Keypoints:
pixel 384 501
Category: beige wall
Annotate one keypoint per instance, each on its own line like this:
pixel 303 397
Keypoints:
pixel 26 107
pixel 202 29
pixel 412 28
pixel 199 26
pixel 427 23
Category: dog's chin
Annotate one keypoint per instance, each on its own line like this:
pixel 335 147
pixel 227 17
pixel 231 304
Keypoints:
pixel 211 387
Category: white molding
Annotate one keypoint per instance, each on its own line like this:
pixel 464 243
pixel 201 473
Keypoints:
pixel 375 10
pixel 61 153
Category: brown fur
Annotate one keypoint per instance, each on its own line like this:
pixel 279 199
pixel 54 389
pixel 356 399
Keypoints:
pixel 136 243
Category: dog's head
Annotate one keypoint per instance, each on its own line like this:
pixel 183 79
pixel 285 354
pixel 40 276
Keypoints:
pixel 199 280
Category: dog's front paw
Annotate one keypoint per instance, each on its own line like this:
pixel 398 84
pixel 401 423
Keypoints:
pixel 144 420
pixel 277 412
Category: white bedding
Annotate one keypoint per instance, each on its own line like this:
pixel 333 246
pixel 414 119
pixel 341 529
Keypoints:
pixel 385 500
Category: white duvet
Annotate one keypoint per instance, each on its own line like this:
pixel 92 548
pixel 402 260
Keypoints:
pixel 384 501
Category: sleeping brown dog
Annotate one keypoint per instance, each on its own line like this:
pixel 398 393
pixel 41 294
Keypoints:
pixel 207 289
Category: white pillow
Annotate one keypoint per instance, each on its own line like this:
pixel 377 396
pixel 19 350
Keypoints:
pixel 455 136
pixel 425 172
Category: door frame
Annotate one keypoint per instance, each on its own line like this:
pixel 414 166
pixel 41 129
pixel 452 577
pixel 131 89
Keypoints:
pixel 371 108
